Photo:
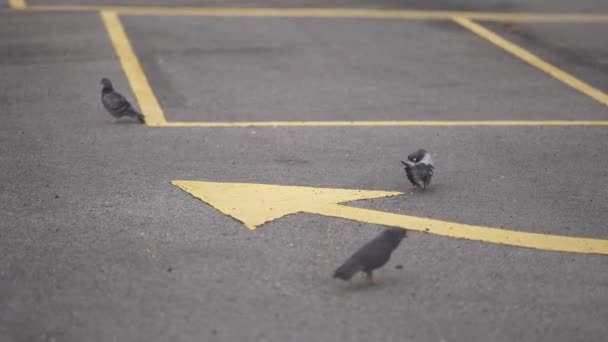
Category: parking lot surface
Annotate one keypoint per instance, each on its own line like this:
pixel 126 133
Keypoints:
pixel 98 244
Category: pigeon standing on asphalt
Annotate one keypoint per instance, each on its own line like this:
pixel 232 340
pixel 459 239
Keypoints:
pixel 372 255
pixel 116 104
pixel 419 168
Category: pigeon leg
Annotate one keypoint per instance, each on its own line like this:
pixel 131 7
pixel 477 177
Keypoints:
pixel 370 280
pixel 413 187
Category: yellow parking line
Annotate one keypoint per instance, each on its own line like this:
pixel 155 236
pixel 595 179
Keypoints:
pixel 17 4
pixel 334 13
pixel 464 123
pixel 130 64
pixel 534 60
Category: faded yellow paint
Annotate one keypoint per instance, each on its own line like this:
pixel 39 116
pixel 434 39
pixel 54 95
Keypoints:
pixel 130 64
pixel 256 204
pixel 389 123
pixel 333 13
pixel 534 60
pixel 17 4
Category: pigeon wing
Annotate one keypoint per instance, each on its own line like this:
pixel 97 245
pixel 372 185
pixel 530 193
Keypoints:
pixel 411 175
pixel 374 257
pixel 116 104
pixel 428 174
pixel 375 253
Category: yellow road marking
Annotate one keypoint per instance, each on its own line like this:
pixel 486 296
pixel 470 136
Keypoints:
pixel 491 123
pixel 257 204
pixel 333 13
pixel 17 4
pixel 546 242
pixel 130 64
pixel 534 60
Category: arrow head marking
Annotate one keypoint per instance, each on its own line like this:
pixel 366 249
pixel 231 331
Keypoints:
pixel 256 204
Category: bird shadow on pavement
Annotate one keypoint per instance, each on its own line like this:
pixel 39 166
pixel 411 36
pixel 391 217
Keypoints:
pixel 360 285
pixel 426 192
pixel 123 122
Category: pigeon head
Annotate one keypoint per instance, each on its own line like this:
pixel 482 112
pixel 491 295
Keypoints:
pixel 106 83
pixel 416 156
pixel 395 235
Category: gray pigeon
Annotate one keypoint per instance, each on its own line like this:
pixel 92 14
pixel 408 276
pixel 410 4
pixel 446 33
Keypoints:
pixel 116 104
pixel 372 255
pixel 419 168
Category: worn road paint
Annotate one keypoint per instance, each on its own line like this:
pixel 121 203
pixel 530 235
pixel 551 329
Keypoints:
pixel 333 13
pixel 397 123
pixel 534 60
pixel 130 64
pixel 17 4
pixel 256 204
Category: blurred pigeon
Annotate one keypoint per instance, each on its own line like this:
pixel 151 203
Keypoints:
pixel 419 168
pixel 116 104
pixel 372 255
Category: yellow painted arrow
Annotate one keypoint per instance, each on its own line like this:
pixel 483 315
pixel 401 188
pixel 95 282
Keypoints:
pixel 256 204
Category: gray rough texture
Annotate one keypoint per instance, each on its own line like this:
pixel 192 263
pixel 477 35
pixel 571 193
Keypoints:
pixel 97 245
pixel 479 5
pixel 253 69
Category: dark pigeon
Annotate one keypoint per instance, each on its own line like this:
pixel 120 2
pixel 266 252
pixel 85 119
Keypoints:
pixel 372 255
pixel 419 168
pixel 116 104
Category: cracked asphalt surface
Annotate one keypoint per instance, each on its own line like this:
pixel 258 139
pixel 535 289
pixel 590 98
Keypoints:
pixel 97 245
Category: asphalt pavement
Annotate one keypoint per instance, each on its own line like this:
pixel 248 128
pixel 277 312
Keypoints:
pixel 96 244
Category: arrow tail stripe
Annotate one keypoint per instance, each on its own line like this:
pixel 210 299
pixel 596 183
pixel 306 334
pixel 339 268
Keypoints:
pixel 558 243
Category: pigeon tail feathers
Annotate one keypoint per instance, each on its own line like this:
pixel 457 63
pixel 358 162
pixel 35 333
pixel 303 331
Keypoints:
pixel 137 115
pixel 348 269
